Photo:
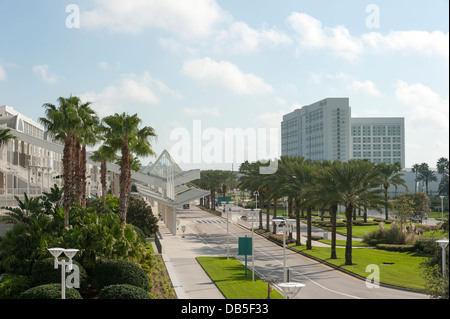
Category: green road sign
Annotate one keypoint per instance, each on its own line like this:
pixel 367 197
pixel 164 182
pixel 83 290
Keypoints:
pixel 245 246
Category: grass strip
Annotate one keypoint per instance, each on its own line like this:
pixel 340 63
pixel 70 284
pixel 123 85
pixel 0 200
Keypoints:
pixel 229 277
pixel 396 268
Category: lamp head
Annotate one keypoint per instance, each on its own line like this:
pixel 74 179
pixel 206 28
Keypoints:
pixel 55 251
pixel 70 253
pixel 443 243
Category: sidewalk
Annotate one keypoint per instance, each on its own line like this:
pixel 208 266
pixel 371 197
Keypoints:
pixel 188 278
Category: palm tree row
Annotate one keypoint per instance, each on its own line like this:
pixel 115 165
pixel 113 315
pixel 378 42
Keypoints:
pixel 356 184
pixel 215 181
pixel 76 125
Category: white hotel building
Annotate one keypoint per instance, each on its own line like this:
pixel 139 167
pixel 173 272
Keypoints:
pixel 325 130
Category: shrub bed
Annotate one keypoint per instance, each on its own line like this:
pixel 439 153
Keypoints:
pixel 123 291
pixel 401 248
pixel 119 271
pixel 49 291
pixel 12 285
pixel 43 272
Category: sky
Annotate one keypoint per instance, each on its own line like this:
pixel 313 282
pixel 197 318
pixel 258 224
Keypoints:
pixel 199 71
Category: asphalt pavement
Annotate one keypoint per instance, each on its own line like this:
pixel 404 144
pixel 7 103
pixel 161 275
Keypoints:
pixel 205 236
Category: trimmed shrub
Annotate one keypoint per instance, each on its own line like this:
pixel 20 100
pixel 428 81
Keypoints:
pixel 49 291
pixel 401 248
pixel 123 291
pixel 43 272
pixel 12 285
pixel 119 271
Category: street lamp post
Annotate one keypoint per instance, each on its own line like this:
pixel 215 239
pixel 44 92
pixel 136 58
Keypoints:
pixel 285 224
pixel 442 214
pixel 443 243
pixel 253 214
pixel 70 253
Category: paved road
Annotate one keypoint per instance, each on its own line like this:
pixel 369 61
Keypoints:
pixel 206 235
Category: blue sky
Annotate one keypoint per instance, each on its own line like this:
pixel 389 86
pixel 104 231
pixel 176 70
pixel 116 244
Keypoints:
pixel 232 64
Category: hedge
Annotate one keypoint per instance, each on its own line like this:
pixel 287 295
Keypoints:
pixel 43 272
pixel 401 248
pixel 123 291
pixel 119 271
pixel 49 291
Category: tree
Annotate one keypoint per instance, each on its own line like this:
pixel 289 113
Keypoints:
pixel 64 123
pixel 103 155
pixel 403 207
pixel 415 169
pixel 426 175
pixel 356 186
pixel 390 175
pixel 122 132
pixel 443 169
pixel 6 136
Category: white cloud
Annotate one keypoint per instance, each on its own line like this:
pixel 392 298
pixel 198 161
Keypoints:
pixel 208 111
pixel 427 109
pixel 187 18
pixel 131 89
pixel 45 75
pixel 339 41
pixel 240 37
pixel 2 73
pixel 406 42
pixel 226 74
pixel 313 36
pixel 366 87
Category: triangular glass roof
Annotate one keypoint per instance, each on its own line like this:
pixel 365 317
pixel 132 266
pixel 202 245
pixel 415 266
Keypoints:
pixel 164 166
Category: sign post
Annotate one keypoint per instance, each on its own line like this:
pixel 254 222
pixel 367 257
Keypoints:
pixel 245 248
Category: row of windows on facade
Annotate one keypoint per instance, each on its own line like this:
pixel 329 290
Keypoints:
pixel 376 130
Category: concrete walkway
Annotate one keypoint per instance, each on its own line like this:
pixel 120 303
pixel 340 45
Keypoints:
pixel 188 278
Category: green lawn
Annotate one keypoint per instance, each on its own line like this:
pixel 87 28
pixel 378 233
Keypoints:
pixel 396 268
pixel 229 277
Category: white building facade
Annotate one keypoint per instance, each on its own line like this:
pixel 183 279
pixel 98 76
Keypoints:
pixel 325 130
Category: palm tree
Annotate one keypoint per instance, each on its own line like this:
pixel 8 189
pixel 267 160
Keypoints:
pixel 390 174
pixel 6 136
pixel 103 155
pixel 355 185
pixel 443 169
pixel 122 132
pixel 63 122
pixel 426 175
pixel 324 193
pixel 251 180
pixel 415 169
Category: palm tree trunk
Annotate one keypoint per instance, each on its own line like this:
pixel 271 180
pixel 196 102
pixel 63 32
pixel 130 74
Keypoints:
pixel 268 213
pixel 260 211
pixel 275 203
pixel 67 175
pixel 309 235
pixel 333 210
pixel 348 245
pixel 386 203
pixel 297 223
pixel 125 184
pixel 83 176
pixel 103 181
pixel 76 171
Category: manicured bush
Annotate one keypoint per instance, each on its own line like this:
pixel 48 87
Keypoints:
pixel 119 271
pixel 43 272
pixel 402 248
pixel 123 291
pixel 49 291
pixel 12 285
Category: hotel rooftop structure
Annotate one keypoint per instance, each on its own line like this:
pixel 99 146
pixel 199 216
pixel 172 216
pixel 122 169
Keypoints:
pixel 32 164
pixel 325 130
